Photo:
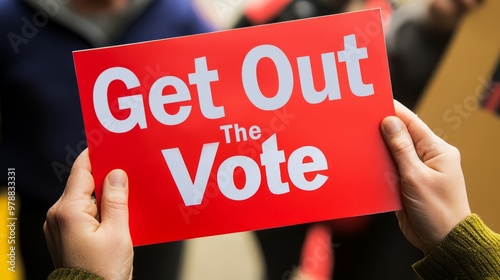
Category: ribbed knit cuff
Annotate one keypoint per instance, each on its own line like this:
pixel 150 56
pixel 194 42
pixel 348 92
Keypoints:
pixel 72 274
pixel 470 251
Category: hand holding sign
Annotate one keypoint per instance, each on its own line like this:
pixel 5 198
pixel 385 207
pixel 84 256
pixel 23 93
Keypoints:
pixel 77 239
pixel 428 216
pixel 432 182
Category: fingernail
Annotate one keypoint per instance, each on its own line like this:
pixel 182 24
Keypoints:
pixel 117 178
pixel 392 125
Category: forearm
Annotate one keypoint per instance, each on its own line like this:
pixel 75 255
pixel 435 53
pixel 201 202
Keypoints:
pixel 470 251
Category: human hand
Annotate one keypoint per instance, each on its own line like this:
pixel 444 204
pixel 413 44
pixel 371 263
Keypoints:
pixel 445 14
pixel 76 239
pixel 432 183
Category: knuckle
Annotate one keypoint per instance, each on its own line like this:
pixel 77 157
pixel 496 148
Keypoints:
pixel 51 214
pixel 116 201
pixel 429 150
pixel 401 145
pixel 60 215
pixel 455 152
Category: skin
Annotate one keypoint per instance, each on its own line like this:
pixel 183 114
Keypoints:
pixel 432 183
pixel 432 189
pixel 74 235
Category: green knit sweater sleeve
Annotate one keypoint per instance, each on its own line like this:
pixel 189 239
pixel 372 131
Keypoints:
pixel 72 274
pixel 470 251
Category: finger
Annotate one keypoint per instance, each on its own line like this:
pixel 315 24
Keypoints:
pixel 427 144
pixel 80 182
pixel 416 127
pixel 400 144
pixel 114 201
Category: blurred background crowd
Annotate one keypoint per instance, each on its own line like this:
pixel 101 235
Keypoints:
pixel 42 130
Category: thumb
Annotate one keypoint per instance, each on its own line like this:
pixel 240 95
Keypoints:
pixel 400 144
pixel 114 202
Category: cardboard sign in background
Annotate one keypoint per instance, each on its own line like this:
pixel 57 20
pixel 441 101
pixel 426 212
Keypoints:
pixel 358 173
pixel 451 107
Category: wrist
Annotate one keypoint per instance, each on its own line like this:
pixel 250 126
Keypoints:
pixel 463 254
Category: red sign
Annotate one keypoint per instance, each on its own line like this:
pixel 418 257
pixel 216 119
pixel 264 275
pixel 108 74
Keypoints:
pixel 244 129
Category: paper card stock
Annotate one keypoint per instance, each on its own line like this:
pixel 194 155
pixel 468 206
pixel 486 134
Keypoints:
pixel 244 129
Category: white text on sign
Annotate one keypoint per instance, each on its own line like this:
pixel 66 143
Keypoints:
pixel 202 78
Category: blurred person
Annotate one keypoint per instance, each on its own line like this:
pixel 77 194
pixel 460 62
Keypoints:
pixel 417 36
pixel 41 123
pixel 436 218
pixel 285 10
pixel 416 40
